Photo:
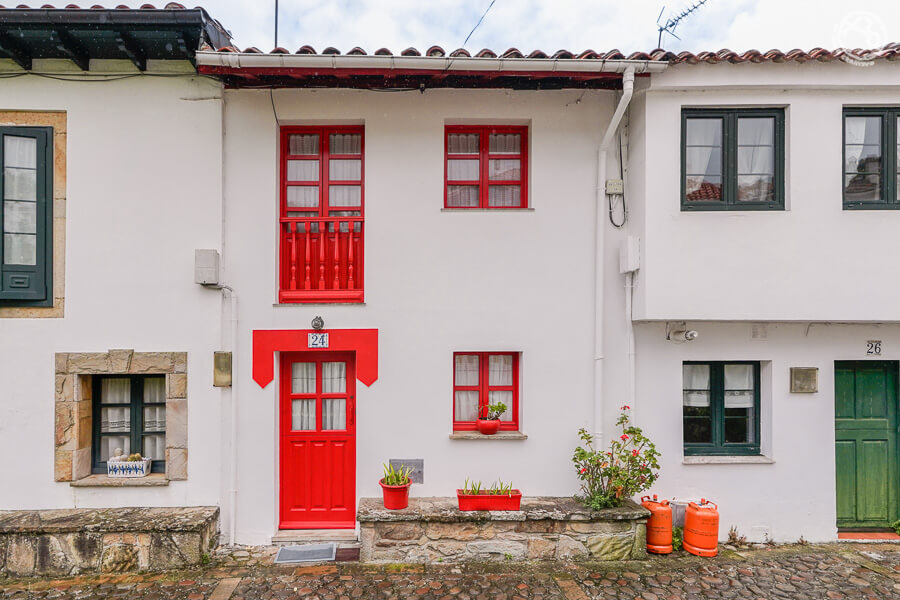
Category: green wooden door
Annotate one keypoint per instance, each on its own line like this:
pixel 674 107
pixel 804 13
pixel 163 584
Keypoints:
pixel 865 422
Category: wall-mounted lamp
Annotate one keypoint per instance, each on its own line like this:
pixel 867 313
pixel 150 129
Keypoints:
pixel 679 333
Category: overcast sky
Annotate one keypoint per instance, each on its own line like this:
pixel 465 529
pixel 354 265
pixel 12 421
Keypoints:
pixel 550 25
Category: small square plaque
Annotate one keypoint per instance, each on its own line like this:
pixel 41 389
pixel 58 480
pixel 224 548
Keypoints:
pixel 417 464
pixel 804 380
pixel 317 340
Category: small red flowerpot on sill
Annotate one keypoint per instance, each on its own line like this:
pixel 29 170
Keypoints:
pixel 396 497
pixel 487 426
pixel 510 501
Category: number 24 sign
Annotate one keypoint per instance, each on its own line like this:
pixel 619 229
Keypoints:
pixel 317 340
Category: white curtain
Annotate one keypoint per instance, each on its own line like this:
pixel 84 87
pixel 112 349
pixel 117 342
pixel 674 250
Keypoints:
pixel 345 169
pixel 303 170
pixel 500 369
pixel 304 144
pixel 462 195
pixel 466 369
pixel 334 413
pixel 506 397
pixel 154 447
pixel 505 169
pixel 463 170
pixel 345 143
pixel 154 389
pixel 303 378
pixel 115 419
pixel 306 196
pixel 19 248
pixel 334 378
pixel 703 155
pixel 695 382
pixel 344 195
pixel 504 195
pixel 110 443
pixel 465 406
pixel 303 414
pixel 154 418
pixel 115 390
pixel 462 143
pixel 739 386
pixel 504 143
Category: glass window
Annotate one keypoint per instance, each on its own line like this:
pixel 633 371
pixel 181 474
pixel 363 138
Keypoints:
pixel 129 415
pixel 485 167
pixel 481 379
pixel 720 407
pixel 871 148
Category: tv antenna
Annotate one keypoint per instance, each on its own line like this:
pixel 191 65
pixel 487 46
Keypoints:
pixel 672 22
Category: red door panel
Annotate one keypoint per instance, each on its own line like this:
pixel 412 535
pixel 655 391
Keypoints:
pixel 318 441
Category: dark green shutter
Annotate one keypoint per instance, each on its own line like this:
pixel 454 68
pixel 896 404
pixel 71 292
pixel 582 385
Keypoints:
pixel 28 284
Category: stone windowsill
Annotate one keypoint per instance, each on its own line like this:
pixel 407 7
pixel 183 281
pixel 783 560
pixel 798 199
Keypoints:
pixel 727 460
pixel 492 210
pixel 99 480
pixel 499 436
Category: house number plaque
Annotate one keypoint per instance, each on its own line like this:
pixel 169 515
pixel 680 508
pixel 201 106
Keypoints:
pixel 317 340
pixel 873 348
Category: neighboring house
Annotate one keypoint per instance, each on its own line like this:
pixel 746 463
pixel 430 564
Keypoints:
pixel 445 216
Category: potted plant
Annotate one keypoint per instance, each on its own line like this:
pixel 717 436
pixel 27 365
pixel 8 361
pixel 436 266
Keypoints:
pixel 490 423
pixel 395 487
pixel 133 465
pixel 500 496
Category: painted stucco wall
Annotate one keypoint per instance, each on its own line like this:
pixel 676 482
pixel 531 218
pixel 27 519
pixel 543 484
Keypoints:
pixel 144 190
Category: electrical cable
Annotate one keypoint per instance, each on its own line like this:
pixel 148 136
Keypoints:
pixel 466 41
pixel 610 197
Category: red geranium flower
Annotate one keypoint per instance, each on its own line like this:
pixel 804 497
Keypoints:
pixel 584 470
pixel 634 452
pixel 624 437
pixel 626 407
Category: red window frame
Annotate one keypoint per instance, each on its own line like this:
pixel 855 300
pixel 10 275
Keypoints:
pixel 484 388
pixel 294 273
pixel 484 155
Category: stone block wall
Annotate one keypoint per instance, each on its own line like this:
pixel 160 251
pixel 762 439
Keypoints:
pixel 433 529
pixel 67 542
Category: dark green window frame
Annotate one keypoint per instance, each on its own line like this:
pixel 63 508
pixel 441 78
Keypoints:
pixel 136 406
pixel 729 118
pixel 718 446
pixel 890 169
pixel 30 285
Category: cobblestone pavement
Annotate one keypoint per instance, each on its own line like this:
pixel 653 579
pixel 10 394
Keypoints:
pixel 830 572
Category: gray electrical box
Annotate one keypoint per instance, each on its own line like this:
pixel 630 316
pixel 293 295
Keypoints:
pixel 417 465
pixel 206 267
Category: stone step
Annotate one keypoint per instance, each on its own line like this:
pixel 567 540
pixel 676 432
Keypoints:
pixel 296 537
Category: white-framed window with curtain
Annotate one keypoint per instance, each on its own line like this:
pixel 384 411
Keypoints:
pixel 481 379
pixel 720 407
pixel 486 167
pixel 129 414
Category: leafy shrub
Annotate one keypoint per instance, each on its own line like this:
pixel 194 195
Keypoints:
pixel 497 489
pixel 493 411
pixel 394 476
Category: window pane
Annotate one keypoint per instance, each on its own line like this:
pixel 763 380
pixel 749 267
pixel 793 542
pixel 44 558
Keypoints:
pixel 466 370
pixel 862 159
pixel 115 419
pixel 19 217
pixel 462 195
pixel 303 414
pixel 115 390
pixel 110 443
pixel 303 196
pixel 862 187
pixel 756 131
pixel 334 413
pixel 345 143
pixel 697 430
pixel 704 132
pixel 756 160
pixel 500 369
pixel 154 389
pixel 703 188
pixel 19 152
pixel 154 447
pixel 463 170
pixel 154 418
pixel 334 378
pixel 19 184
pixel 19 249
pixel 462 143
pixel 695 384
pixel 738 429
pixel 504 397
pixel 345 170
pixel 862 130
pixel 504 143
pixel 703 159
pixel 307 144
pixel 505 169
pixel 756 188
pixel 504 195
pixel 303 378
pixel 303 170
pixel 739 386
pixel 465 406
pixel 344 195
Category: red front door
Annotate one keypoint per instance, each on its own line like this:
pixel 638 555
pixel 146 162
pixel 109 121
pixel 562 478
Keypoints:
pixel 318 441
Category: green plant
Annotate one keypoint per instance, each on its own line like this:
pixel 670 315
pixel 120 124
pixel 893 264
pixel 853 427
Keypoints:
pixel 493 411
pixel 507 556
pixel 677 537
pixel 630 466
pixel 204 559
pixel 394 476
pixel 896 526
pixel 497 489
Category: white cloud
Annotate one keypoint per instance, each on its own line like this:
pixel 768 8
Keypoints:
pixel 570 24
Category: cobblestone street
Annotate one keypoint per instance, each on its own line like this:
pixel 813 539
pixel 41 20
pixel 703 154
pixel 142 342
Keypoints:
pixel 828 572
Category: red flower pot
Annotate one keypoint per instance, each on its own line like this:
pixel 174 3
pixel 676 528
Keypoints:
pixel 396 497
pixel 510 501
pixel 488 427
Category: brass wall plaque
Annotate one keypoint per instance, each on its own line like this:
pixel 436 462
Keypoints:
pixel 804 380
pixel 222 369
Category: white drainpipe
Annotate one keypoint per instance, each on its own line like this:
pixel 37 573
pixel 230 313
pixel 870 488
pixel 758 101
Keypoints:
pixel 599 254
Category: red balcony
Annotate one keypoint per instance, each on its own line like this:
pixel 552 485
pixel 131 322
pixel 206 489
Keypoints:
pixel 321 259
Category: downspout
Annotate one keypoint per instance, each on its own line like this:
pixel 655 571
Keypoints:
pixel 599 254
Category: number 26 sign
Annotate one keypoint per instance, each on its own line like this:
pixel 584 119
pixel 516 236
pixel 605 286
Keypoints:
pixel 317 340
pixel 873 348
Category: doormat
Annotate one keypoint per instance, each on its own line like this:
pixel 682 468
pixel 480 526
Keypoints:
pixel 307 553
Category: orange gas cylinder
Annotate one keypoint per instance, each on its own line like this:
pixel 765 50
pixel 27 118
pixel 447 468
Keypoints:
pixel 659 525
pixel 701 528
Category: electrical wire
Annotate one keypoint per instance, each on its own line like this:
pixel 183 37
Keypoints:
pixel 101 77
pixel 466 41
pixel 612 205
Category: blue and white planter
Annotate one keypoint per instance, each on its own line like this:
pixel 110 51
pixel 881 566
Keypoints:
pixel 128 468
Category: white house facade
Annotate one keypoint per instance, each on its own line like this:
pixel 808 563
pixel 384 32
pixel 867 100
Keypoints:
pixel 389 243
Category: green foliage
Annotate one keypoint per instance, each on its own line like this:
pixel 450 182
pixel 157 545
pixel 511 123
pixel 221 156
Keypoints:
pixel 677 537
pixel 896 526
pixel 204 559
pixel 394 476
pixel 493 411
pixel 630 466
pixel 498 488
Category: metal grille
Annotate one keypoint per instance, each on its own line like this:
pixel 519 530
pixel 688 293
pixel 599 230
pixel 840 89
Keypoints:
pixel 307 553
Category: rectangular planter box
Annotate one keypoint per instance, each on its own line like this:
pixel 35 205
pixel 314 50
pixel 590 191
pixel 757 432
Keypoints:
pixel 511 501
pixel 128 468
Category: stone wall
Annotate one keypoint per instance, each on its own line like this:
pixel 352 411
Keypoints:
pixel 433 529
pixel 67 542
